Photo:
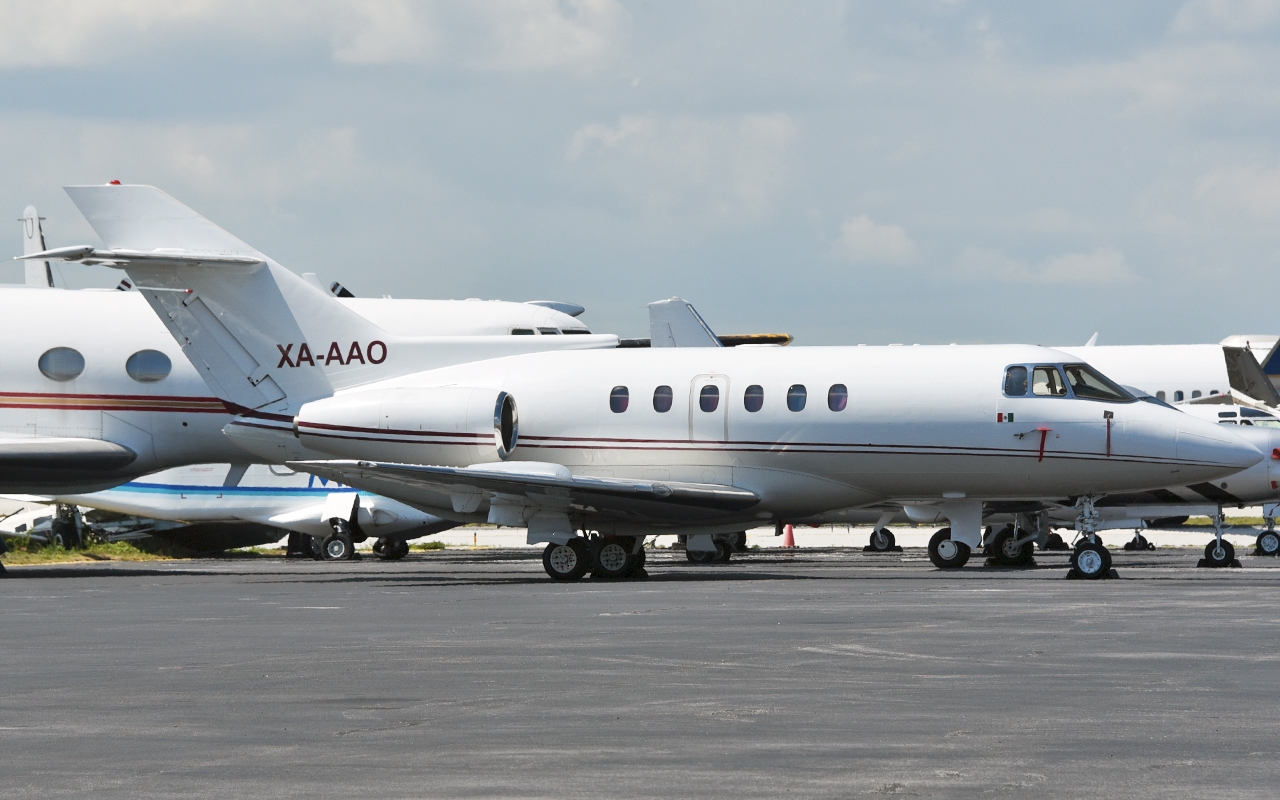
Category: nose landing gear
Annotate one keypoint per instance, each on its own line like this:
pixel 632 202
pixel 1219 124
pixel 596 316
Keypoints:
pixel 1219 552
pixel 1090 559
pixel 1268 543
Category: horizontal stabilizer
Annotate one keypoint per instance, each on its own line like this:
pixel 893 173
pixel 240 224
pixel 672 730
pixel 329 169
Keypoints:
pixel 143 219
pixel 87 254
pixel 607 498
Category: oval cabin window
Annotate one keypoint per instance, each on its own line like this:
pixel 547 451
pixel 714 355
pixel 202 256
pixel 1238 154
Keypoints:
pixel 796 397
pixel 837 397
pixel 61 364
pixel 619 399
pixel 709 398
pixel 753 398
pixel 662 399
pixel 148 366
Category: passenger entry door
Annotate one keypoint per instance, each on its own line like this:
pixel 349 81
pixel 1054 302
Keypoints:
pixel 709 408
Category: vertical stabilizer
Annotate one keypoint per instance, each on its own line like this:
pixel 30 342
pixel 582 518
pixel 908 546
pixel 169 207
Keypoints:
pixel 675 323
pixel 39 273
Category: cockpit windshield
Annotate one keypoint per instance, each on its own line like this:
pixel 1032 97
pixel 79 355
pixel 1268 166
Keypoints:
pixel 1089 384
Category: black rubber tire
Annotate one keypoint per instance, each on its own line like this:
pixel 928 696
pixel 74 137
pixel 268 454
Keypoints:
pixel 1268 543
pixel 1219 557
pixel 566 562
pixel 399 550
pixel 956 553
pixel 881 540
pixel 724 551
pixel 338 547
pixel 315 546
pixel 1055 542
pixel 380 548
pixel 1091 560
pixel 1007 555
pixel 739 542
pixel 612 557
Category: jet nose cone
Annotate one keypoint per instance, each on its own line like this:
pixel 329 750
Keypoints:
pixel 1217 445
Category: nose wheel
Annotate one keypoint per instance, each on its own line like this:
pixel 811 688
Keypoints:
pixel 1091 560
pixel 1268 543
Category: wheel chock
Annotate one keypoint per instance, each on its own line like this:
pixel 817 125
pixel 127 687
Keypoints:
pixel 1072 575
pixel 897 548
pixel 1204 562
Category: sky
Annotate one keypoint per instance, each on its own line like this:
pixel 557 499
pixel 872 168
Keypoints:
pixel 847 172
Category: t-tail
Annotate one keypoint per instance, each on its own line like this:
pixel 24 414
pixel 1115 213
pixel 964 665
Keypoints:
pixel 38 273
pixel 265 340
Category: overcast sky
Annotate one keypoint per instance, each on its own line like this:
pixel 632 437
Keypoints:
pixel 845 171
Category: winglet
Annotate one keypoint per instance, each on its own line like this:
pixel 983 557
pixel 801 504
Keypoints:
pixel 1093 340
pixel 37 274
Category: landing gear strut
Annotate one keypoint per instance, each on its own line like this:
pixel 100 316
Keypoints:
pixel 1011 550
pixel 1090 559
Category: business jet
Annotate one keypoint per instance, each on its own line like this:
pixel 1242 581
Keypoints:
pixel 96 392
pixel 609 446
pixel 264 505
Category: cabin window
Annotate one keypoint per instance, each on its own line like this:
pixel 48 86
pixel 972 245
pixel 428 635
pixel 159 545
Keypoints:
pixel 1015 382
pixel 576 331
pixel 549 331
pixel 1195 393
pixel 1226 413
pixel 618 399
pixel 796 397
pixel 753 398
pixel 61 364
pixel 1212 392
pixel 1160 396
pixel 709 398
pixel 837 397
pixel 1177 396
pixel 662 399
pixel 148 366
pixel 21 528
pixel 1089 384
pixel 1047 382
pixel 522 331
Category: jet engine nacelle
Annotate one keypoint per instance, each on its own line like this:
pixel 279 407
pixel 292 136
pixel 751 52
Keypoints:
pixel 444 425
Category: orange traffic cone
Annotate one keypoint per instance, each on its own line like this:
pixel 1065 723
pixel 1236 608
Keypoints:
pixel 788 537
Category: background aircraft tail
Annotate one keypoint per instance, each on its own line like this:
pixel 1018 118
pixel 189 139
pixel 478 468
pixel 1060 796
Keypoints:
pixel 39 273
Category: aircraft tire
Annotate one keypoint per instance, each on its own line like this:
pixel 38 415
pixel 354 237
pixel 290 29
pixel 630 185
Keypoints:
pixel 724 551
pixel 397 549
pixel 946 554
pixel 1008 554
pixel 338 547
pixel 568 561
pixel 1055 542
pixel 1268 543
pixel 739 542
pixel 611 558
pixel 315 546
pixel 1091 560
pixel 1216 556
pixel 882 540
pixel 380 548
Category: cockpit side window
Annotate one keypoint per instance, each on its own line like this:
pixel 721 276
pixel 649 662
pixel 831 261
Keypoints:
pixel 1089 384
pixel 1015 382
pixel 1047 382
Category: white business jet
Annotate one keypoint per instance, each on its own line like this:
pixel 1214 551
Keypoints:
pixel 628 443
pixel 96 392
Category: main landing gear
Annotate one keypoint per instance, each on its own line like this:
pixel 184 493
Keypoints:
pixel 1009 549
pixel 391 549
pixel 945 553
pixel 1138 543
pixel 1090 559
pixel 605 557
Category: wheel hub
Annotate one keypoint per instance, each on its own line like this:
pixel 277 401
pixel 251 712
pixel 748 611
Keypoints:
pixel 336 549
pixel 1270 543
pixel 1011 548
pixel 947 549
pixel 563 559
pixel 613 557
pixel 1219 553
pixel 1089 562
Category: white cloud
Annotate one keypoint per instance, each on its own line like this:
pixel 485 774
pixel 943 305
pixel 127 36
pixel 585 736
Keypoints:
pixel 1225 16
pixel 864 241
pixel 1103 266
pixel 729 167
pixel 1252 188
pixel 496 35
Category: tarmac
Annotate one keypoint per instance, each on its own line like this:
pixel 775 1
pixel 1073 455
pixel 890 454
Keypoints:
pixel 807 673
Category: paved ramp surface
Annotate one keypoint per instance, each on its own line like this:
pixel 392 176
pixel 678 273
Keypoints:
pixel 469 674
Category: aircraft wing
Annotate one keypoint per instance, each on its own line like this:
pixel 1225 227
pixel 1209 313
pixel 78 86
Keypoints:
pixel 543 486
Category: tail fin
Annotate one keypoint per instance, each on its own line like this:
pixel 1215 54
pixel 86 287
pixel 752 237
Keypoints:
pixel 675 323
pixel 262 337
pixel 39 273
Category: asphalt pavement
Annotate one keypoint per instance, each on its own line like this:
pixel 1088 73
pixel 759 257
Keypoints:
pixel 811 673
